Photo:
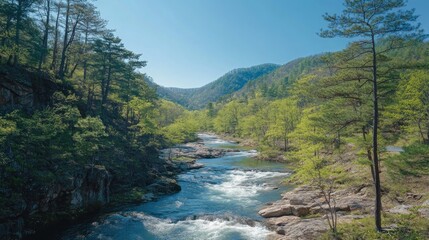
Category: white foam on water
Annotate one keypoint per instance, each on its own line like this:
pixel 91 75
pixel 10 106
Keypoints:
pixel 212 139
pixel 178 204
pixel 242 185
pixel 218 229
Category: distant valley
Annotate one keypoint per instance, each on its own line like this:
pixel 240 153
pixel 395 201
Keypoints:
pixel 241 82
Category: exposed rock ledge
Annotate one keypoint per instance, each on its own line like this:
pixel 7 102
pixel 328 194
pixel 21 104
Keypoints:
pixel 284 216
pixel 191 151
pixel 194 150
pixel 85 188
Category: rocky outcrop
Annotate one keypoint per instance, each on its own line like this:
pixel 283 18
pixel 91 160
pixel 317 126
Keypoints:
pixel 164 185
pixel 422 210
pixel 21 87
pixel 191 151
pixel 86 188
pixel 285 216
pixel 185 165
pixel 92 189
pixel 292 227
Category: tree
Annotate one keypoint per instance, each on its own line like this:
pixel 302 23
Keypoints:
pixel 413 103
pixel 284 116
pixel 59 6
pixel 73 17
pixel 371 20
pixel 46 25
pixel 228 118
pixel 23 9
pixel 89 138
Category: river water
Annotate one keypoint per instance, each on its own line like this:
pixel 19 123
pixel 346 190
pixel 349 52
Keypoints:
pixel 219 201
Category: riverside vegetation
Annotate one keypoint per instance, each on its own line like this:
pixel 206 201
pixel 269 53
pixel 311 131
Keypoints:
pixel 80 128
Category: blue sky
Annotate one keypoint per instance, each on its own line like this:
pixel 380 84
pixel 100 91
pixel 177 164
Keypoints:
pixel 189 43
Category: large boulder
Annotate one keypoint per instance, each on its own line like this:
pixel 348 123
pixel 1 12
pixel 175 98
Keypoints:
pixel 276 211
pixel 301 229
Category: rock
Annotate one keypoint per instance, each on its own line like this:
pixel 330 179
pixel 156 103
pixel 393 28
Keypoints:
pixel 298 201
pixel 399 199
pixel 424 212
pixel 424 209
pixel 95 186
pixel 164 185
pixel 300 210
pixel 307 229
pixel 401 209
pixel 196 166
pixel 191 151
pixel 414 196
pixel 276 211
pixel 19 86
pixel 280 231
pixel 284 216
pixel 281 221
pixel 285 210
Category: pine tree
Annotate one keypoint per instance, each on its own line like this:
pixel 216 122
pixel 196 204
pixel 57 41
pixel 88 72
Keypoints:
pixel 369 21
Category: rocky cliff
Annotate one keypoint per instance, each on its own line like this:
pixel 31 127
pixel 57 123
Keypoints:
pixel 85 189
pixel 24 88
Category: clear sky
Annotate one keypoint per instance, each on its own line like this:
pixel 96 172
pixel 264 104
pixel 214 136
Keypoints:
pixel 189 43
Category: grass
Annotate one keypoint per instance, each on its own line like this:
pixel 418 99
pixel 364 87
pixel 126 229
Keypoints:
pixel 410 227
pixel 408 172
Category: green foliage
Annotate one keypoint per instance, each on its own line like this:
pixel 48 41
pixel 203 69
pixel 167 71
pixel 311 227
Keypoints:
pixel 228 118
pixel 182 130
pixel 197 98
pixel 412 106
pixel 403 227
pixel 89 137
pixel 414 161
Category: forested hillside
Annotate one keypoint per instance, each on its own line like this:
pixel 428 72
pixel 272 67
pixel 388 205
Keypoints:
pixel 336 117
pixel 79 126
pixel 197 98
pixel 277 83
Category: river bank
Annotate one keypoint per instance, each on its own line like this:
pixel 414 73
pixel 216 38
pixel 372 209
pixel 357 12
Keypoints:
pixel 301 213
pixel 219 199
pixel 88 192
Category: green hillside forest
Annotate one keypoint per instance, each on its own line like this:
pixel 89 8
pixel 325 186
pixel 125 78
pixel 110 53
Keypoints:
pixel 81 127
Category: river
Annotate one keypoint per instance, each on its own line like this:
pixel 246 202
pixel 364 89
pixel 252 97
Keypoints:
pixel 219 201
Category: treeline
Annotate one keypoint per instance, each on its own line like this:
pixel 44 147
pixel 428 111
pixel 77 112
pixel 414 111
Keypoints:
pixel 98 109
pixel 342 111
pixel 323 128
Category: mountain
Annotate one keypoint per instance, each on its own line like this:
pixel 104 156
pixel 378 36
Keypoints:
pixel 276 83
pixel 197 98
pixel 271 80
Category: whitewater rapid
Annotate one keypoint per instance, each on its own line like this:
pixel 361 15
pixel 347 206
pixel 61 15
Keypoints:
pixel 219 201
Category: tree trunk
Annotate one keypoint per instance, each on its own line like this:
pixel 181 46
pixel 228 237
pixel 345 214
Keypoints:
pixel 17 33
pixel 85 61
pixel 44 49
pixel 376 164
pixel 55 51
pixel 65 41
pixel 107 87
